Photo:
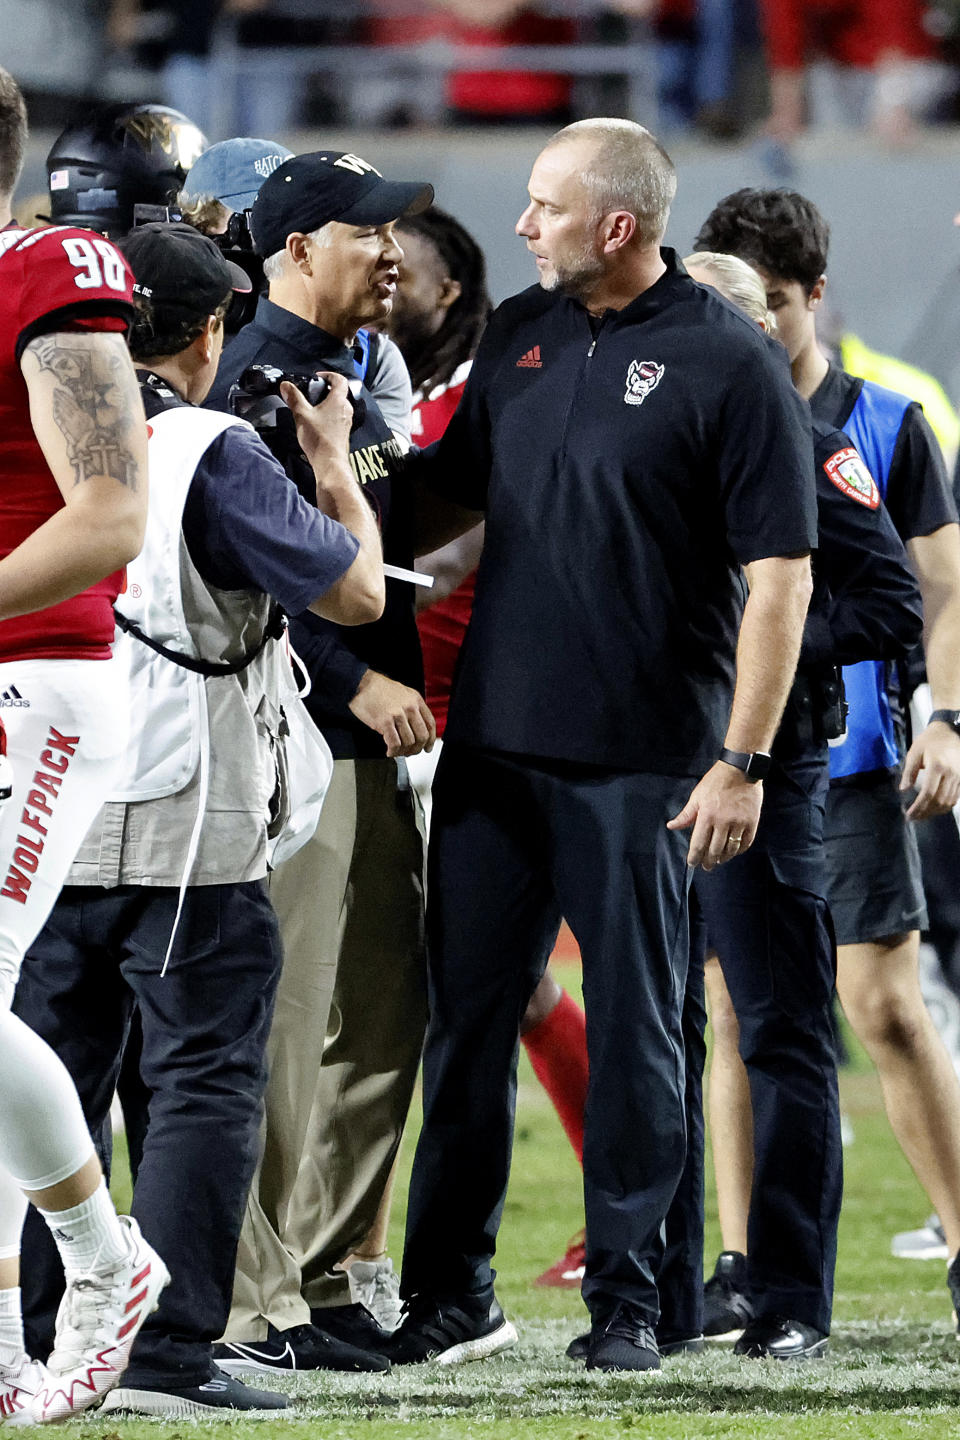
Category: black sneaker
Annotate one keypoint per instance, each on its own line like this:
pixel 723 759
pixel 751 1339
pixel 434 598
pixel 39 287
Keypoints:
pixel 449 1331
pixel 221 1392
pixel 286 1351
pixel 578 1347
pixel 727 1306
pixel 774 1337
pixel 624 1341
pixel 353 1324
pixel 953 1285
pixel 674 1345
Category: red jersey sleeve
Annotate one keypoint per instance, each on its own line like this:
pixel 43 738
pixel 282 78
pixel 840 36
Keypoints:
pixel 68 275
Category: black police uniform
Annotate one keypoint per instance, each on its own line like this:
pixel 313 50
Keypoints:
pixel 873 864
pixel 766 915
pixel 627 466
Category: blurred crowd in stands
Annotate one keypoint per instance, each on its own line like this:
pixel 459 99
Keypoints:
pixel 719 67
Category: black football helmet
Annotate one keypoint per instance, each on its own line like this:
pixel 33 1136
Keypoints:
pixel 123 155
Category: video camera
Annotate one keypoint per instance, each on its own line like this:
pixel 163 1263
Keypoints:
pixel 235 243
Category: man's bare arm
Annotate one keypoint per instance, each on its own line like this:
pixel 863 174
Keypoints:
pixel 450 566
pixel 933 760
pixel 88 419
pixel 439 521
pixel 724 808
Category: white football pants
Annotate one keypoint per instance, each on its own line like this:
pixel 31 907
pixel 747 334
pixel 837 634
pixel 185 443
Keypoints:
pixel 66 723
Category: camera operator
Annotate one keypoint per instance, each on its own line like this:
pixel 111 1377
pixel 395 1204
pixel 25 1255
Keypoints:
pixel 166 904
pixel 350 903
pixel 217 198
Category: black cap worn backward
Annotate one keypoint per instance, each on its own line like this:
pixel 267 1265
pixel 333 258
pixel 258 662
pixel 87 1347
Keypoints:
pixel 310 190
pixel 176 266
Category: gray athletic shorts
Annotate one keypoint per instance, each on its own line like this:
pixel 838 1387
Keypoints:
pixel 873 865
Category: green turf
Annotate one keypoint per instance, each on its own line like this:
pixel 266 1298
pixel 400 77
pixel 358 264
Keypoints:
pixel 893 1371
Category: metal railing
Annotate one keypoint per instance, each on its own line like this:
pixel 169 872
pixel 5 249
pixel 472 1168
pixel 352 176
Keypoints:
pixel 234 65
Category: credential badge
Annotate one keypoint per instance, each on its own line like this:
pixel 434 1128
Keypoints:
pixel 642 377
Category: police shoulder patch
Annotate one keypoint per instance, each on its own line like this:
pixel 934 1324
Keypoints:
pixel 847 471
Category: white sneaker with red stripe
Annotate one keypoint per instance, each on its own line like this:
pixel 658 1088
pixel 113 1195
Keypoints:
pixel 21 1381
pixel 99 1318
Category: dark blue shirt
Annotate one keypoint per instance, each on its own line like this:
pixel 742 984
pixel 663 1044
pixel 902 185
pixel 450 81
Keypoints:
pixel 247 528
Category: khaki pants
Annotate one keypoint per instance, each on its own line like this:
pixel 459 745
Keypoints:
pixel 344 1049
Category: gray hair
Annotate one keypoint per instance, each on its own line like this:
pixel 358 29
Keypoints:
pixel 274 265
pixel 630 171
pixel 739 283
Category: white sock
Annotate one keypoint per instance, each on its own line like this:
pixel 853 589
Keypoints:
pixel 11 1321
pixel 89 1236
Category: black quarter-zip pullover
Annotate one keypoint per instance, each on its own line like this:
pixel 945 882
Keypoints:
pixel 627 470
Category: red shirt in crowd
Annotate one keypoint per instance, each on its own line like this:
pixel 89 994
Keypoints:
pixel 852 32
pixel 442 626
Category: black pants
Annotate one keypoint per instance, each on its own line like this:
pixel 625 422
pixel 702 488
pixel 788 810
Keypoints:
pixel 767 918
pixel 515 845
pixel 205 1025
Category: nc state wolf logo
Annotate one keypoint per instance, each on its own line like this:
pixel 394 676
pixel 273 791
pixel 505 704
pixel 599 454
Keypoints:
pixel 642 377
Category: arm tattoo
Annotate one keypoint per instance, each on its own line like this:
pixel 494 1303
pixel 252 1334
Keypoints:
pixel 91 403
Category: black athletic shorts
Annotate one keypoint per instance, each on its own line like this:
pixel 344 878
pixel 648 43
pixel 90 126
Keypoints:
pixel 873 863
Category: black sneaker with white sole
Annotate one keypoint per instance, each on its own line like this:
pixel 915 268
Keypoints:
pixel 220 1394
pixel 450 1331
pixel 285 1352
pixel 727 1305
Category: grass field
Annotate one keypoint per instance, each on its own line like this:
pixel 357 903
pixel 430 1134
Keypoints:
pixel 893 1370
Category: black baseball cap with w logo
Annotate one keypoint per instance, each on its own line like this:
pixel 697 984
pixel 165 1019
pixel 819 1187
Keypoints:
pixel 311 190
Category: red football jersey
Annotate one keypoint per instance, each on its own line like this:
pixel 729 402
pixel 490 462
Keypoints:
pixel 442 626
pixel 53 279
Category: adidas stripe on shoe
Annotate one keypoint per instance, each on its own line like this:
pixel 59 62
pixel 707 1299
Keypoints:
pixel 100 1316
pixel 449 1332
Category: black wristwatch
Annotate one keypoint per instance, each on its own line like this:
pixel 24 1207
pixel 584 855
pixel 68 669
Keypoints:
pixel 948 717
pixel 755 767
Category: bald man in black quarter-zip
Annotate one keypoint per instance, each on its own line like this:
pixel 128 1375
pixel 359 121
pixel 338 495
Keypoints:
pixel 632 442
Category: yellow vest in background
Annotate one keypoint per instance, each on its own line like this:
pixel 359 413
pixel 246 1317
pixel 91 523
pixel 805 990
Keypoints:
pixel 859 359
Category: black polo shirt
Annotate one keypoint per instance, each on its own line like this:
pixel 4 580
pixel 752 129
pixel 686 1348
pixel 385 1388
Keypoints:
pixel 627 469
pixel 337 656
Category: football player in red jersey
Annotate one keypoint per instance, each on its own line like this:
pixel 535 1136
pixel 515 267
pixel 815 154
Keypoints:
pixel 73 491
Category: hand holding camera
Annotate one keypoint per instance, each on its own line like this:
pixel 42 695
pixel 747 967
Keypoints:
pixel 323 425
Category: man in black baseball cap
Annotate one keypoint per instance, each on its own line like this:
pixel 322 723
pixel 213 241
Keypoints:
pixel 311 190
pixel 351 915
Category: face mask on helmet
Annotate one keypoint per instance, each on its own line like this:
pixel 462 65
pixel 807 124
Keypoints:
pixel 123 156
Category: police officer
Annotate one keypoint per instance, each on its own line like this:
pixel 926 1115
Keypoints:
pixel 351 902
pixel 875 889
pixel 166 903
pixel 632 442
pixel 767 917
